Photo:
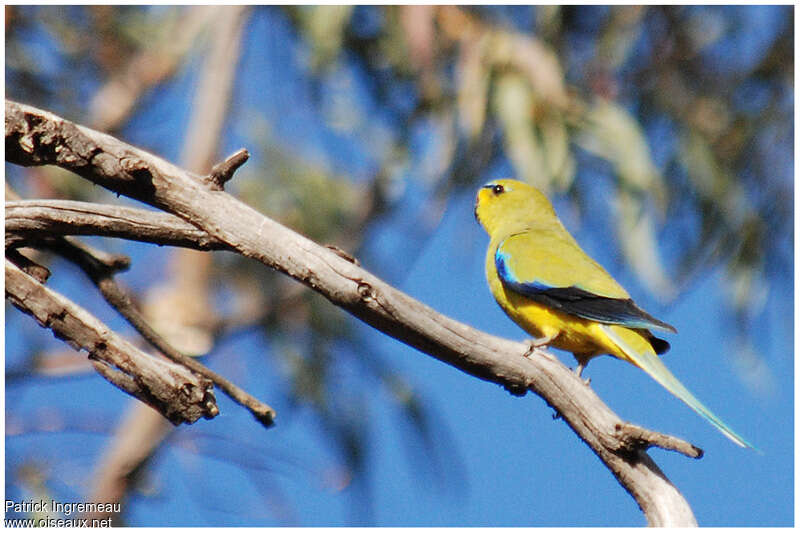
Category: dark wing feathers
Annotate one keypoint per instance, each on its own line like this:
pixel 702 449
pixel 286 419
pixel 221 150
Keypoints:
pixel 584 304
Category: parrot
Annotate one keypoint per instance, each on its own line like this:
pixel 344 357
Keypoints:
pixel 553 290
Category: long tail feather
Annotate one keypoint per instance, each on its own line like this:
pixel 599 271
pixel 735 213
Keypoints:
pixel 651 363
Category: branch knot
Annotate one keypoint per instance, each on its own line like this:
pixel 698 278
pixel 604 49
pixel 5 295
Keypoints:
pixel 365 291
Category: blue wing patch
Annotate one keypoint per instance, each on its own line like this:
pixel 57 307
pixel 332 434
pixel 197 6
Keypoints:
pixel 579 302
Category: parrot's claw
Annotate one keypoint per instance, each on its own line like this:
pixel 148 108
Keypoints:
pixel 538 343
pixel 579 370
pixel 541 341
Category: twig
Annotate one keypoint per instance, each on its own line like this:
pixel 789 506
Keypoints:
pixel 178 394
pixel 637 438
pixel 28 221
pixel 100 268
pixel 39 220
pixel 119 299
pixel 223 171
pixel 32 268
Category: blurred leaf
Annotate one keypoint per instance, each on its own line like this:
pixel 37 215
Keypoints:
pixel 746 269
pixel 306 375
pixel 740 226
pixel 610 132
pixel 711 181
pixel 619 35
pixel 324 27
pixel 536 137
pixel 512 101
pixel 548 21
pixel 710 117
pixel 393 45
pixel 301 193
pixel 418 25
pixel 473 86
pixel 637 237
pixel 535 61
pixel 747 291
pixel 704 27
pixel 554 136
pixel 34 478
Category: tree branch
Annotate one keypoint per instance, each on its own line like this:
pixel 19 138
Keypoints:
pixel 38 221
pixel 35 137
pixel 29 221
pixel 174 391
pixel 119 299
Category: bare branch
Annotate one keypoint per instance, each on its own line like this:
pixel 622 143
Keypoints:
pixel 119 299
pixel 175 392
pixel 32 220
pixel 35 137
pixel 39 272
pixel 40 220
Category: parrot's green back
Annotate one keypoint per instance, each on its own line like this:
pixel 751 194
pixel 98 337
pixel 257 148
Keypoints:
pixel 551 254
pixel 549 286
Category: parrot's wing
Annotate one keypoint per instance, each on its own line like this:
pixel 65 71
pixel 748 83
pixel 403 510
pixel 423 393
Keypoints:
pixel 550 268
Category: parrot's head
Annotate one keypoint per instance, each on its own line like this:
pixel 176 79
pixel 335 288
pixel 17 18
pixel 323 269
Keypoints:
pixel 509 205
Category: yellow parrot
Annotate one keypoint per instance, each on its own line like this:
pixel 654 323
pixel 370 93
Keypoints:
pixel 552 289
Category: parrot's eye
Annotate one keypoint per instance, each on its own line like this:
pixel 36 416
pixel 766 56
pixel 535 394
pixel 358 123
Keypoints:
pixel 498 189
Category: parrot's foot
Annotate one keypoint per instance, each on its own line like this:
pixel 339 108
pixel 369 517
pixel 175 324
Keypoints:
pixel 542 341
pixel 581 365
pixel 538 343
